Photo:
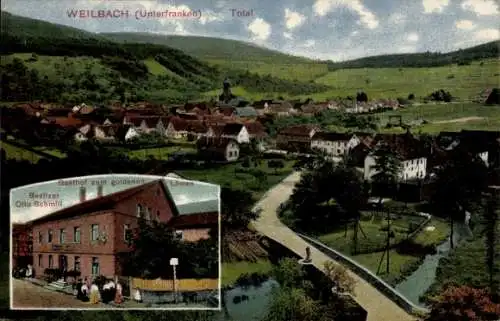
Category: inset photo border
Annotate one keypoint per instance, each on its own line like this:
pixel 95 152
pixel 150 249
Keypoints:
pixel 117 241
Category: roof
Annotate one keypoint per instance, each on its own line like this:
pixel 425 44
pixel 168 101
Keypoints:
pixel 232 129
pixel 332 136
pixel 405 145
pixel 214 143
pixel 107 202
pixel 255 128
pixel 61 112
pixel 196 219
pixel 64 121
pixel 121 132
pixel 246 112
pixel 226 111
pixel 298 130
pixel 179 124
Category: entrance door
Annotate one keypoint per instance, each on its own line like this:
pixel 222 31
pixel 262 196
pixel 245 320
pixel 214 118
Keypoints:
pixel 63 262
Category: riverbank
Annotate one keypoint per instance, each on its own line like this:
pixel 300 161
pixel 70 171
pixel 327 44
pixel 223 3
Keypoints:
pixel 465 265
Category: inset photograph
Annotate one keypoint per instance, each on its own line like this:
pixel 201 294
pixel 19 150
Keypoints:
pixel 115 242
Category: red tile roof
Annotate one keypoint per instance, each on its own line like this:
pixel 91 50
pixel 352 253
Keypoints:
pixel 255 129
pixel 196 126
pixel 65 121
pixel 107 202
pixel 193 220
pixel 179 124
pixel 331 136
pixel 298 130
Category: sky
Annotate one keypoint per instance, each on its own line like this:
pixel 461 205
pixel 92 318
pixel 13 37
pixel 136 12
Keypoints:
pixel 320 29
pixel 194 198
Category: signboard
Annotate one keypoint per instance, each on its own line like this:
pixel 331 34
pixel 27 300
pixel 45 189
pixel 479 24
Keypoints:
pixel 174 261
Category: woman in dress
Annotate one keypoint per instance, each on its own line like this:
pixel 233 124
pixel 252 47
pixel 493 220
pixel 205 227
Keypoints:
pixel 118 294
pixel 85 292
pixel 94 294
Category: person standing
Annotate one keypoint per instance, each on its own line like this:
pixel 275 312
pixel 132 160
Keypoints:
pixel 94 293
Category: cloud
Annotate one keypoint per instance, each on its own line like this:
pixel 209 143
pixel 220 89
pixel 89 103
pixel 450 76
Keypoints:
pixel 366 17
pixel 487 34
pixel 465 25
pixel 293 19
pixel 431 6
pixel 481 7
pixel 309 43
pixel 397 18
pixel 260 29
pixel 287 35
pixel 208 16
pixel 412 37
pixel 407 49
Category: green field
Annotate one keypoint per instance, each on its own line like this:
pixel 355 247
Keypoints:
pixel 237 177
pixel 296 71
pixel 159 153
pixel 463 82
pixel 232 271
pixel 14 152
pixel 446 117
pixel 400 264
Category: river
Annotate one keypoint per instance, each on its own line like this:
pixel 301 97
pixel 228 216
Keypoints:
pixel 419 281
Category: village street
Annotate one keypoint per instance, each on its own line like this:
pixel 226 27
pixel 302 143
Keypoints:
pixel 29 295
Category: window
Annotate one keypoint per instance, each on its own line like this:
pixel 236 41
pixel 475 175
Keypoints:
pixel 148 213
pixel 40 237
pixel 76 234
pixel 178 235
pixel 95 266
pixel 158 215
pixel 51 262
pixel 40 260
pixel 50 236
pixel 62 236
pixel 94 232
pixel 139 210
pixel 77 263
pixel 127 233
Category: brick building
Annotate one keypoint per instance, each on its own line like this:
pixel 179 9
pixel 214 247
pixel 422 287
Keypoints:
pixel 90 235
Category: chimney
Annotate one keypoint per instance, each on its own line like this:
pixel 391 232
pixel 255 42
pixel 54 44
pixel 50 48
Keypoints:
pixel 83 195
pixel 99 190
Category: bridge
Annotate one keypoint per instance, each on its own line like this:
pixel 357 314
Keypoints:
pixel 379 299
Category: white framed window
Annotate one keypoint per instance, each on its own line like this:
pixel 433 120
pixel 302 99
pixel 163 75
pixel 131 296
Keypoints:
pixel 139 210
pixel 94 231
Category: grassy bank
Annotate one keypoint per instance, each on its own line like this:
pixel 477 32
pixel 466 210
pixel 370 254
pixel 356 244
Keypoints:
pixel 231 271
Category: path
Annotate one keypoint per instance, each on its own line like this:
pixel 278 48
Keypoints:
pixel 29 295
pixel 378 306
pixel 459 120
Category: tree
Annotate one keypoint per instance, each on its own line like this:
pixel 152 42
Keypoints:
pixel 292 305
pixel 236 208
pixel 276 164
pixel 463 304
pixel 459 184
pixel 361 97
pixel 411 96
pixel 342 281
pixel 288 273
pixel 491 226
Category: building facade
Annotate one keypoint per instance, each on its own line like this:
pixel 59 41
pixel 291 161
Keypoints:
pixel 90 236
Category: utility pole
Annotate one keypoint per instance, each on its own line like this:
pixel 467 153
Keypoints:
pixel 174 262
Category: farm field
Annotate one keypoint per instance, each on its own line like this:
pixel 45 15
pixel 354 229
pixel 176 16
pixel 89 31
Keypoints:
pixel 463 82
pixel 446 117
pixel 14 152
pixel 295 71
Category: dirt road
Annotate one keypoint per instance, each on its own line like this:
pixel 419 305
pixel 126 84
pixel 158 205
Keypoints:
pixel 378 306
pixel 28 295
pixel 458 120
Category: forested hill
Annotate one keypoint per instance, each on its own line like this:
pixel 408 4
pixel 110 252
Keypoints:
pixel 427 59
pixel 72 64
pixel 210 48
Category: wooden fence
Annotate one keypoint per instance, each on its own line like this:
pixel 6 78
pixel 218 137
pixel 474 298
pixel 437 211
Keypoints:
pixel 183 285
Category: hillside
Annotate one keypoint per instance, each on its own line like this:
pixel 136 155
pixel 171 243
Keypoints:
pixel 209 48
pixel 60 63
pixel 426 59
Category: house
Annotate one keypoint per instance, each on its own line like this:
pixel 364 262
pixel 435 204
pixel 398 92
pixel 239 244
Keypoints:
pixel 194 227
pixel 256 130
pixel 296 138
pixel 334 144
pixel 235 131
pixel 358 154
pixel 312 109
pixel 278 108
pixel 245 112
pixel 126 133
pixel 410 150
pixel 227 111
pixel 22 245
pixel 106 133
pixel 31 109
pixel 196 129
pixel 64 122
pixel 177 128
pixel 218 149
pixel 91 235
